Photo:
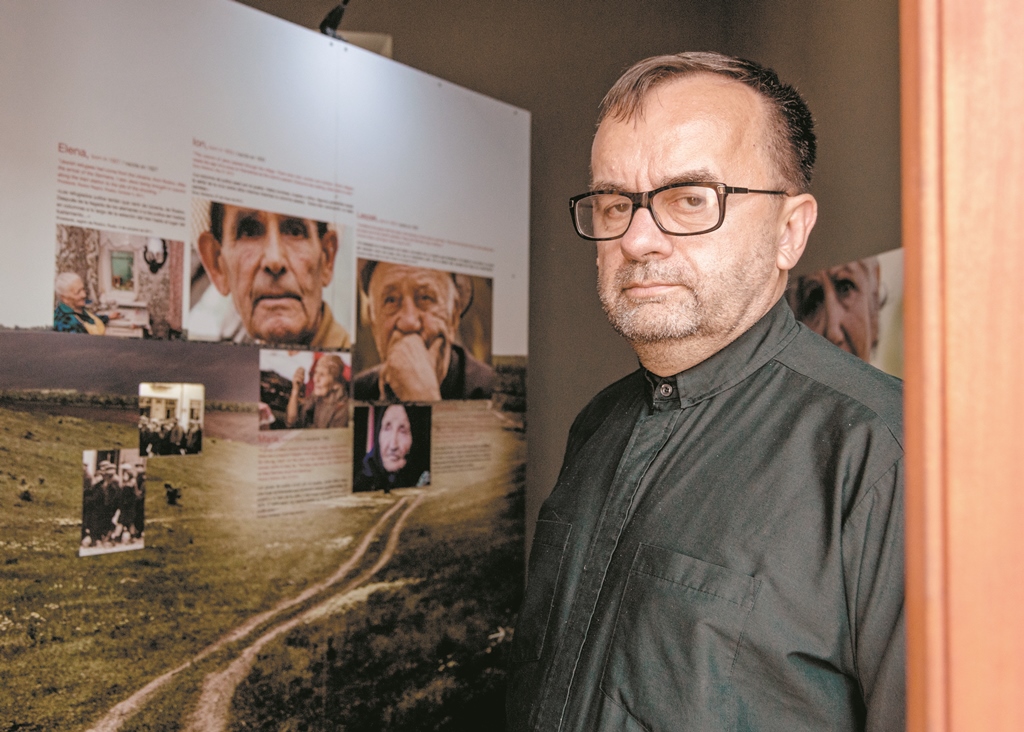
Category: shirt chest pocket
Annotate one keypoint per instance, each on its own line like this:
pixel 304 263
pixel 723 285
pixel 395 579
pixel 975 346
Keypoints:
pixel 549 542
pixel 675 638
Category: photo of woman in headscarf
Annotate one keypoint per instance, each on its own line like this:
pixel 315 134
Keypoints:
pixel 396 442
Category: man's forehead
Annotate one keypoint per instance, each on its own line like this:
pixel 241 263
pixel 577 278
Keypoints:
pixel 689 127
pixel 232 213
pixel 857 268
pixel 396 275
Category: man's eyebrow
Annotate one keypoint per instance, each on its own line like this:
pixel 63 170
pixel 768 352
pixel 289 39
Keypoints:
pixel 843 270
pixel 700 175
pixel 287 220
pixel 243 215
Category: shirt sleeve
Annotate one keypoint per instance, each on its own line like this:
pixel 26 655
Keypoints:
pixel 874 577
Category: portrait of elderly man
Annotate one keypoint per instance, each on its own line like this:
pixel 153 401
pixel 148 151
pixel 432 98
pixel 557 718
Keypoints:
pixel 414 315
pixel 723 547
pixel 71 315
pixel 327 403
pixel 274 268
pixel 842 304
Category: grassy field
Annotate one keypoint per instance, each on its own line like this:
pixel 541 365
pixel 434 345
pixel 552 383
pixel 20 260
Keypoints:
pixel 77 635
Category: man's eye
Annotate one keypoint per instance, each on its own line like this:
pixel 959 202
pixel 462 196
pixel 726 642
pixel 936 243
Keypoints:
pixel 845 287
pixel 683 200
pixel 249 228
pixel 811 300
pixel 390 303
pixel 425 299
pixel 612 207
pixel 295 228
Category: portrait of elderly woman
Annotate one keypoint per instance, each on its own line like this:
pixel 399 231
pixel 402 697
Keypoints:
pixel 303 389
pixel 117 284
pixel 327 403
pixel 396 438
pixel 71 314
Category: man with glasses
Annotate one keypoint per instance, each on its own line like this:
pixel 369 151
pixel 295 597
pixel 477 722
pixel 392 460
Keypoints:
pixel 724 547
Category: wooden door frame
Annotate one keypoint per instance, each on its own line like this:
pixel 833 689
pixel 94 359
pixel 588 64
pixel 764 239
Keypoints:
pixel 962 128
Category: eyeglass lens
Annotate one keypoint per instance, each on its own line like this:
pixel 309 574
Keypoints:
pixel 679 210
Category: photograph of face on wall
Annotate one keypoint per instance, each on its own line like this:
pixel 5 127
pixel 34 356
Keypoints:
pixel 171 418
pixel 113 501
pixel 260 276
pixel 303 389
pixel 424 334
pixel 858 306
pixel 392 447
pixel 109 283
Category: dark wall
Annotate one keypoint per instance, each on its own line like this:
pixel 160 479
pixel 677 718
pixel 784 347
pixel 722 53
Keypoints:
pixel 844 59
pixel 556 58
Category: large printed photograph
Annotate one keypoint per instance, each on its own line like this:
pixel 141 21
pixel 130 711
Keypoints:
pixel 261 276
pixel 212 184
pixel 304 389
pixel 424 334
pixel 112 283
pixel 389 608
pixel 858 306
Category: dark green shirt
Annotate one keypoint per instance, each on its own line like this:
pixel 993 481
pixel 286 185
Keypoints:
pixel 723 550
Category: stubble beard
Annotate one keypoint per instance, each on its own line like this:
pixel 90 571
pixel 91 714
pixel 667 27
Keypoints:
pixel 702 306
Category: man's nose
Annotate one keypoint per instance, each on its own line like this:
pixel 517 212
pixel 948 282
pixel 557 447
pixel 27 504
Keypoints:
pixel 409 317
pixel 274 260
pixel 643 239
pixel 833 317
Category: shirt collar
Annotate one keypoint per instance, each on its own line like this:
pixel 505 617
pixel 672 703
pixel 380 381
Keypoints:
pixel 734 363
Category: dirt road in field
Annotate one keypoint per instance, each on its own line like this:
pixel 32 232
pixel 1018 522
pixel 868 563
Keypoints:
pixel 218 688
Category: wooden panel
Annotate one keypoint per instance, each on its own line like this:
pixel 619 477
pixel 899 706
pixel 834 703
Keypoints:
pixel 963 96
pixel 925 359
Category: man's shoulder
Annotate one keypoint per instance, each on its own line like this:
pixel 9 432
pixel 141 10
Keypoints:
pixel 479 378
pixel 611 401
pixel 331 334
pixel 847 377
pixel 366 384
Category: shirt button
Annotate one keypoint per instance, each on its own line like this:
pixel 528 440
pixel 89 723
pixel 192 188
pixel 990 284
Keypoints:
pixel 665 389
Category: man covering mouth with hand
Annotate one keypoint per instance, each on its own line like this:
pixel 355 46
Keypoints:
pixel 414 315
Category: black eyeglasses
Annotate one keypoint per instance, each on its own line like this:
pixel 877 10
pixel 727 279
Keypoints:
pixel 678 209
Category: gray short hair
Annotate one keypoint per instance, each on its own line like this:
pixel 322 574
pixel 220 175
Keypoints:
pixel 792 144
pixel 65 281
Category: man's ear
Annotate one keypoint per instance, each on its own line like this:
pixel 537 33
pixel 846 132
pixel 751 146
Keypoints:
pixel 464 293
pixel 210 253
pixel 796 221
pixel 329 249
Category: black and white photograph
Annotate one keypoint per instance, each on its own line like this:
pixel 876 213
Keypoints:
pixel 171 418
pixel 113 501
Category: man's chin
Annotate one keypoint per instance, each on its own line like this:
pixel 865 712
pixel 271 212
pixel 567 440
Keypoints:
pixel 651 321
pixel 281 330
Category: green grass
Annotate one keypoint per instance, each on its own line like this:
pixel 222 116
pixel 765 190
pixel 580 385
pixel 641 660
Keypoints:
pixel 78 635
pixel 421 657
